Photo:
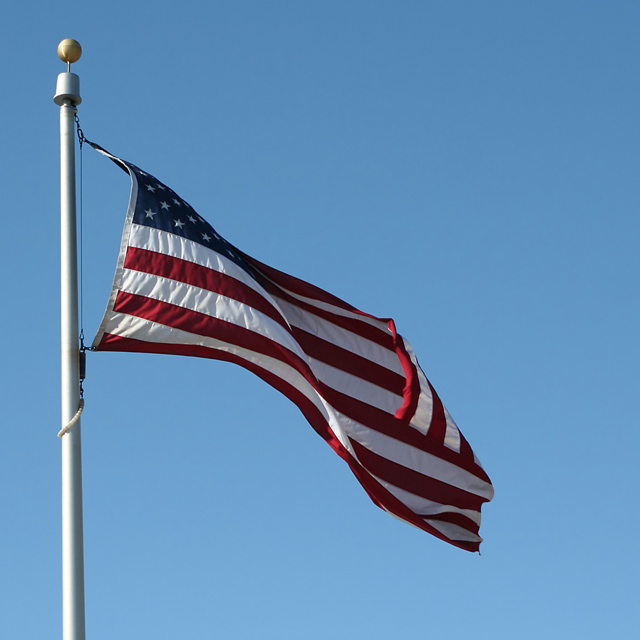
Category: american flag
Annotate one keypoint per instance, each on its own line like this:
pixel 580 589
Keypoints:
pixel 180 288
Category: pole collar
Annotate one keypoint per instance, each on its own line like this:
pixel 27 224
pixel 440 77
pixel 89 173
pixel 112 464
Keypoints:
pixel 67 88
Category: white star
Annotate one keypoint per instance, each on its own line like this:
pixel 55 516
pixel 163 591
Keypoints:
pixel 164 205
pixel 179 223
pixel 161 186
pixel 177 202
pixel 192 219
pixel 150 188
pixel 150 213
pixel 206 237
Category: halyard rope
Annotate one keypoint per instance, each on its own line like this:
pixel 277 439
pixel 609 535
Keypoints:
pixel 73 420
pixel 76 417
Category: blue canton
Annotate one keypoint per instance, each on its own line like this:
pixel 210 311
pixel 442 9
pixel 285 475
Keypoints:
pixel 160 207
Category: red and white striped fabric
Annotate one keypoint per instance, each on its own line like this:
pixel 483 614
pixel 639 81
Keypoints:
pixel 182 289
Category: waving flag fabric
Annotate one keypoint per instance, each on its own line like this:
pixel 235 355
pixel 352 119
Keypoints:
pixel 180 288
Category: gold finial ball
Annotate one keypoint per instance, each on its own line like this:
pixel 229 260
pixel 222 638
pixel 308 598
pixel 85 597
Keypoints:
pixel 69 50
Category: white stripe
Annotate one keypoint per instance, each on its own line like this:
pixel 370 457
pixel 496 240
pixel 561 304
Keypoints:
pixel 423 507
pixel 340 337
pixel 421 419
pixel 413 458
pixel 176 246
pixel 453 531
pixel 452 438
pixel 378 323
pixel 128 326
pixel 424 411
pixel 242 315
pixel 143 237
pixel 356 387
pixel 209 303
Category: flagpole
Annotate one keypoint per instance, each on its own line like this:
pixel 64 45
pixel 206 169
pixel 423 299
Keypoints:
pixel 68 97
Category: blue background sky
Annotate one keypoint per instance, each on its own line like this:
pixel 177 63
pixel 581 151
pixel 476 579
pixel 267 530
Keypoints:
pixel 468 168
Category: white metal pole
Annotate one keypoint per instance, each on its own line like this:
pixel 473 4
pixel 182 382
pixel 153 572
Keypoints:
pixel 68 97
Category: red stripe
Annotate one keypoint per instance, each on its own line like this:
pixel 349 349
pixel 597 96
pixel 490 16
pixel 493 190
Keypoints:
pixel 201 324
pixel 111 342
pixel 299 287
pixel 458 519
pixel 197 275
pixel 411 390
pixel 386 424
pixel 438 426
pixel 378 494
pixel 385 499
pixel 392 340
pixel 179 270
pixel 397 427
pixel 465 449
pixel 345 360
pixel 193 322
pixel 415 482
pixel 360 328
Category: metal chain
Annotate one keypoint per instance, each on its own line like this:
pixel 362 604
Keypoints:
pixel 81 137
pixel 83 349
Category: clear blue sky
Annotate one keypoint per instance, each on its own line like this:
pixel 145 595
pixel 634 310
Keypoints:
pixel 467 168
